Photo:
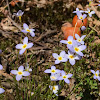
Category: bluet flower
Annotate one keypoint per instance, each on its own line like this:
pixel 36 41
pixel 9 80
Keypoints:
pixel 76 48
pixel 54 77
pixel 69 42
pixel 72 57
pixel 1 67
pixel 77 9
pixel 89 12
pixel 53 70
pixel 99 4
pixel 20 72
pixel 2 90
pixel 24 46
pixel 55 89
pixel 59 58
pixel 80 16
pixel 19 14
pixel 65 77
pixel 27 30
pixel 96 74
pixel 80 39
pixel 27 68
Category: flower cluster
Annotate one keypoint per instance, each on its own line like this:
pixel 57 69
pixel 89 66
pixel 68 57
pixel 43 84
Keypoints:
pixel 57 75
pixel 83 16
pixel 75 47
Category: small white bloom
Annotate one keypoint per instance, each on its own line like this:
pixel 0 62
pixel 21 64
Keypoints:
pixel 24 46
pixel 27 68
pixel 65 77
pixel 60 58
pixel 53 70
pixel 96 74
pixel 55 89
pixel 27 30
pixel 69 42
pixel 72 57
pixel 54 77
pixel 20 72
pixel 80 16
pixel 76 48
pixel 83 28
pixel 77 9
pixel 80 39
pixel 89 12
pixel 19 14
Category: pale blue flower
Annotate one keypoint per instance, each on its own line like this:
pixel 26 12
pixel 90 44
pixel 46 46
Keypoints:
pixel 65 77
pixel 60 58
pixel 27 68
pixel 2 90
pixel 69 42
pixel 72 57
pixel 96 74
pixel 89 12
pixel 53 70
pixel 20 72
pixel 24 46
pixel 80 16
pixel 19 13
pixel 55 89
pixel 77 9
pixel 80 39
pixel 1 67
pixel 77 49
pixel 54 77
pixel 27 30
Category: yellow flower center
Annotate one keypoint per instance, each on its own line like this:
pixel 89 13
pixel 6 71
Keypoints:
pixel 53 71
pixel 96 74
pixel 24 46
pixel 71 56
pixel 76 49
pixel 69 42
pixel 89 12
pixel 79 40
pixel 81 17
pixel 53 88
pixel 64 76
pixel 59 58
pixel 28 30
pixel 19 73
pixel 53 77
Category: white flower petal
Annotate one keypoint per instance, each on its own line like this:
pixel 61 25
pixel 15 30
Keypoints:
pixel 2 90
pixel 67 80
pixel 55 55
pixel 18 77
pixel 1 67
pixel 70 38
pixel 77 36
pixel 14 72
pixel 19 46
pixel 32 34
pixel 53 67
pixel 57 61
pixel 93 71
pixel 25 41
pixel 29 45
pixel 25 26
pixel 24 31
pixel 21 68
pixel 25 73
pixel 82 47
pixel 83 36
pixel 72 61
pixel 22 51
pixel 63 41
pixel 62 54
